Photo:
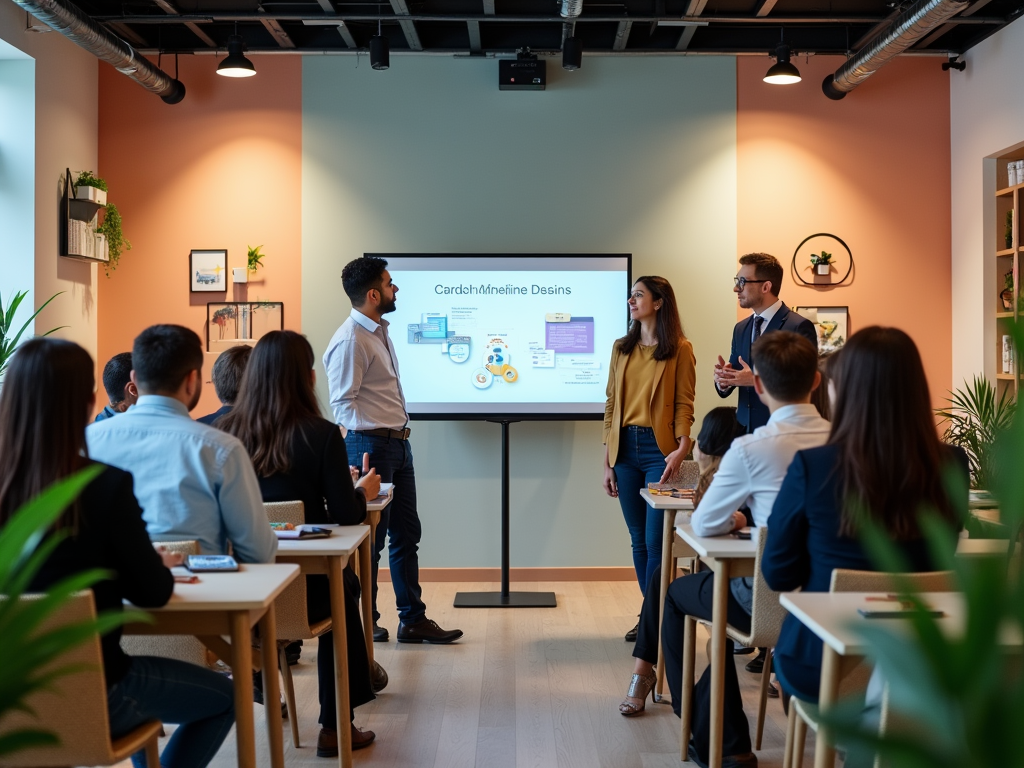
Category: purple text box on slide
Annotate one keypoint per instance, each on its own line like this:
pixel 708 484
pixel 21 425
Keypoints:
pixel 575 336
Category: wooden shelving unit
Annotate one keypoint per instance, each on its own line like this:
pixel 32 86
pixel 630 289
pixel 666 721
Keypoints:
pixel 1008 259
pixel 78 220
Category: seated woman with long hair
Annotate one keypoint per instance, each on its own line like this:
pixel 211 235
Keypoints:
pixel 884 459
pixel 300 456
pixel 45 404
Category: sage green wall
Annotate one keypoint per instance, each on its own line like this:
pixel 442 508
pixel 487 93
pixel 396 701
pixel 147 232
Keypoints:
pixel 634 155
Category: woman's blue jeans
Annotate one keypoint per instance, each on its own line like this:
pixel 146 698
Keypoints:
pixel 200 701
pixel 640 461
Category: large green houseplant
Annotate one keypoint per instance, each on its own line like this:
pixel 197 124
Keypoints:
pixel 9 337
pixel 30 648
pixel 973 418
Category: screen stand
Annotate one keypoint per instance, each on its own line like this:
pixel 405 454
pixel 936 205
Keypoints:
pixel 504 599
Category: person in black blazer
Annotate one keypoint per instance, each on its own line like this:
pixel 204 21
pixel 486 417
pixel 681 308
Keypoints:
pixel 299 456
pixel 883 456
pixel 45 404
pixel 757 287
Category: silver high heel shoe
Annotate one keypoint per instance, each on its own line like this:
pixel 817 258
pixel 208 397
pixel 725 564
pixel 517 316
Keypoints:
pixel 639 687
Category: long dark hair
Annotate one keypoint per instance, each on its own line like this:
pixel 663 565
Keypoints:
pixel 44 407
pixel 275 399
pixel 668 327
pixel 890 456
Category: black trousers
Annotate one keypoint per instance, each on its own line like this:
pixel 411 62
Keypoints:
pixel 692 596
pixel 318 607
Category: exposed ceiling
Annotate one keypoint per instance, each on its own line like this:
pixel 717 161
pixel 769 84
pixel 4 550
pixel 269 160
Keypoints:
pixel 500 27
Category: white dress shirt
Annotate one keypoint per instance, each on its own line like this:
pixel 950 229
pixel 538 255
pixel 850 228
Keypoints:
pixel 753 468
pixel 362 376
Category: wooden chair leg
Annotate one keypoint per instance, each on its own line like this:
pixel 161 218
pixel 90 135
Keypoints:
pixel 787 755
pixel 799 741
pixel 289 697
pixel 686 705
pixel 153 753
pixel 766 678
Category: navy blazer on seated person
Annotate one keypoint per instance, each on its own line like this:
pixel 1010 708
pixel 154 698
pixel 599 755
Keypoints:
pixel 750 411
pixel 804 546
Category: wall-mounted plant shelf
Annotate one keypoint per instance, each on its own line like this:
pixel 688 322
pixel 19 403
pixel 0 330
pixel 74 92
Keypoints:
pixel 78 220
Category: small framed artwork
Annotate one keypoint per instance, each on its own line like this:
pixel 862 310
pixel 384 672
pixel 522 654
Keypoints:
pixel 832 325
pixel 208 270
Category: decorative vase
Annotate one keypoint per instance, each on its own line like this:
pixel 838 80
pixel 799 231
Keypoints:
pixel 822 269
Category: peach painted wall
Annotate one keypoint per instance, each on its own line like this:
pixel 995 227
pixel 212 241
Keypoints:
pixel 221 169
pixel 872 169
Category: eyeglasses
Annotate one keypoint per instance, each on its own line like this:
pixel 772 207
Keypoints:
pixel 741 281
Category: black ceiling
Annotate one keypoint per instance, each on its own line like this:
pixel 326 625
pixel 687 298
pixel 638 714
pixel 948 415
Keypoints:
pixel 500 27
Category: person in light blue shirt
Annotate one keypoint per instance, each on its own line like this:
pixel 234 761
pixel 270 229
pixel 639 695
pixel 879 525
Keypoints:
pixel 192 481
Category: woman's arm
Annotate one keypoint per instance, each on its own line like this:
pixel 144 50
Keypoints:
pixel 682 414
pixel 786 562
pixel 345 505
pixel 610 395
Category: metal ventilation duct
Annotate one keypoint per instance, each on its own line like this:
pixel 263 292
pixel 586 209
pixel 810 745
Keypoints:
pixel 83 31
pixel 571 8
pixel 916 22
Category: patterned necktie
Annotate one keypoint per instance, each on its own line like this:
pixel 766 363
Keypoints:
pixel 757 326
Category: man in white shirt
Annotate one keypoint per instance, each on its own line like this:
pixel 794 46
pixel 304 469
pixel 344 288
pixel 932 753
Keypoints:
pixel 367 400
pixel 785 372
pixel 757 286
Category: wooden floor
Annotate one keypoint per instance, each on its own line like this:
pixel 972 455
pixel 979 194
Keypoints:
pixel 525 688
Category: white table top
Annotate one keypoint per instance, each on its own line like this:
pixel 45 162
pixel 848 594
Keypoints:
pixel 387 492
pixel 665 502
pixel 833 616
pixel 720 547
pixel 344 540
pixel 981 547
pixel 252 587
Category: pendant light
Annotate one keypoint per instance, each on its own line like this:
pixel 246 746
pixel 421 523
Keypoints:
pixel 782 72
pixel 235 64
pixel 380 50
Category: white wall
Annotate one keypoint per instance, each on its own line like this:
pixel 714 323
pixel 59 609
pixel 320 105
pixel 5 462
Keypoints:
pixel 66 88
pixel 987 118
pixel 17 176
pixel 625 155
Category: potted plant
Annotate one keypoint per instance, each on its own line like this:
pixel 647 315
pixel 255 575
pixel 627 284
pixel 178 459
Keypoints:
pixel 255 258
pixel 116 243
pixel 822 262
pixel 1008 232
pixel 1006 295
pixel 90 187
pixel 974 417
pixel 8 337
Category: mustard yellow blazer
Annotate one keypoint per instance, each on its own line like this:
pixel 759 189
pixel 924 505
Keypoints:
pixel 672 393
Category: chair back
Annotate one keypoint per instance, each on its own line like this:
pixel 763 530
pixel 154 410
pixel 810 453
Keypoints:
pixel 180 647
pixel 285 512
pixel 846 580
pixel 290 606
pixel 74 706
pixel 767 615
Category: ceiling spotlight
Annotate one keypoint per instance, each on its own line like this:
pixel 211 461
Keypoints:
pixel 782 72
pixel 236 65
pixel 380 50
pixel 572 54
pixel 959 66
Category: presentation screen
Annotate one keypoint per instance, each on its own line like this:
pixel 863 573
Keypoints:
pixel 507 336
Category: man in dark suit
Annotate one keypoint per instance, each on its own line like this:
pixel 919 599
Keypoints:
pixel 757 286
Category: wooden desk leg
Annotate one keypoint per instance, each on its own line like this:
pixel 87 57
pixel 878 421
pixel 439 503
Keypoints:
pixel 824 754
pixel 272 688
pixel 366 594
pixel 667 536
pixel 334 573
pixel 241 669
pixel 719 612
pixel 686 705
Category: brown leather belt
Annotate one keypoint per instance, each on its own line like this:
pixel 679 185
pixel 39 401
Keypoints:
pixel 391 434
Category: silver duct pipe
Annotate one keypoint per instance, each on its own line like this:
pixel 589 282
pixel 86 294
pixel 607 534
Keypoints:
pixel 916 22
pixel 571 9
pixel 83 31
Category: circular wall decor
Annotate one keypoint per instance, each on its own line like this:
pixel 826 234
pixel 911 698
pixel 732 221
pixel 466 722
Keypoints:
pixel 804 256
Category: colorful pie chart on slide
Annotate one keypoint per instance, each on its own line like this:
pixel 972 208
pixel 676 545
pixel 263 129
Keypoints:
pixel 482 378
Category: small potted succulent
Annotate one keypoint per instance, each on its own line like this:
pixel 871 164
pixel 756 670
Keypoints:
pixel 822 262
pixel 91 188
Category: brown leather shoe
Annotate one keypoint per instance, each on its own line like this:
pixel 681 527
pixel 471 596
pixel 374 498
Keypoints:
pixel 327 741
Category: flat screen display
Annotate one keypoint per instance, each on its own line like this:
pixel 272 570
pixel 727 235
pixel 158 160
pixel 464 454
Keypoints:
pixel 486 336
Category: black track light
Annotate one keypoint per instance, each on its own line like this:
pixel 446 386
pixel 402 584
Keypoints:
pixel 380 50
pixel 236 65
pixel 572 54
pixel 959 66
pixel 782 72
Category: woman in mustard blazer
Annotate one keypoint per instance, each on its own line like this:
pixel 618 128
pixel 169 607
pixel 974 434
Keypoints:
pixel 648 414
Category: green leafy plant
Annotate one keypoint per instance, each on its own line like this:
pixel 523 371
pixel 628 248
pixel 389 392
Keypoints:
pixel 958 699
pixel 9 338
pixel 974 417
pixel 1008 232
pixel 29 646
pixel 821 258
pixel 86 179
pixel 255 258
pixel 117 243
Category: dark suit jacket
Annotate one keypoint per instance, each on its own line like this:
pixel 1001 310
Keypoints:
pixel 804 547
pixel 750 411
pixel 209 418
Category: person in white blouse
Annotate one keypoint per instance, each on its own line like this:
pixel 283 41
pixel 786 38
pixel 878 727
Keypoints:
pixel 785 371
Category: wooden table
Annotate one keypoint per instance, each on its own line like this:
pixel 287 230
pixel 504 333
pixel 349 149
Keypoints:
pixel 982 547
pixel 231 604
pixel 373 512
pixel 330 556
pixel 671 507
pixel 728 557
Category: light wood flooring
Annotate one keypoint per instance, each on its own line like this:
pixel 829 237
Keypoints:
pixel 525 688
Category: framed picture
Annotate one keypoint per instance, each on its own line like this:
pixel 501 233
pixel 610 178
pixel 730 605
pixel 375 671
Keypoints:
pixel 208 270
pixel 832 325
